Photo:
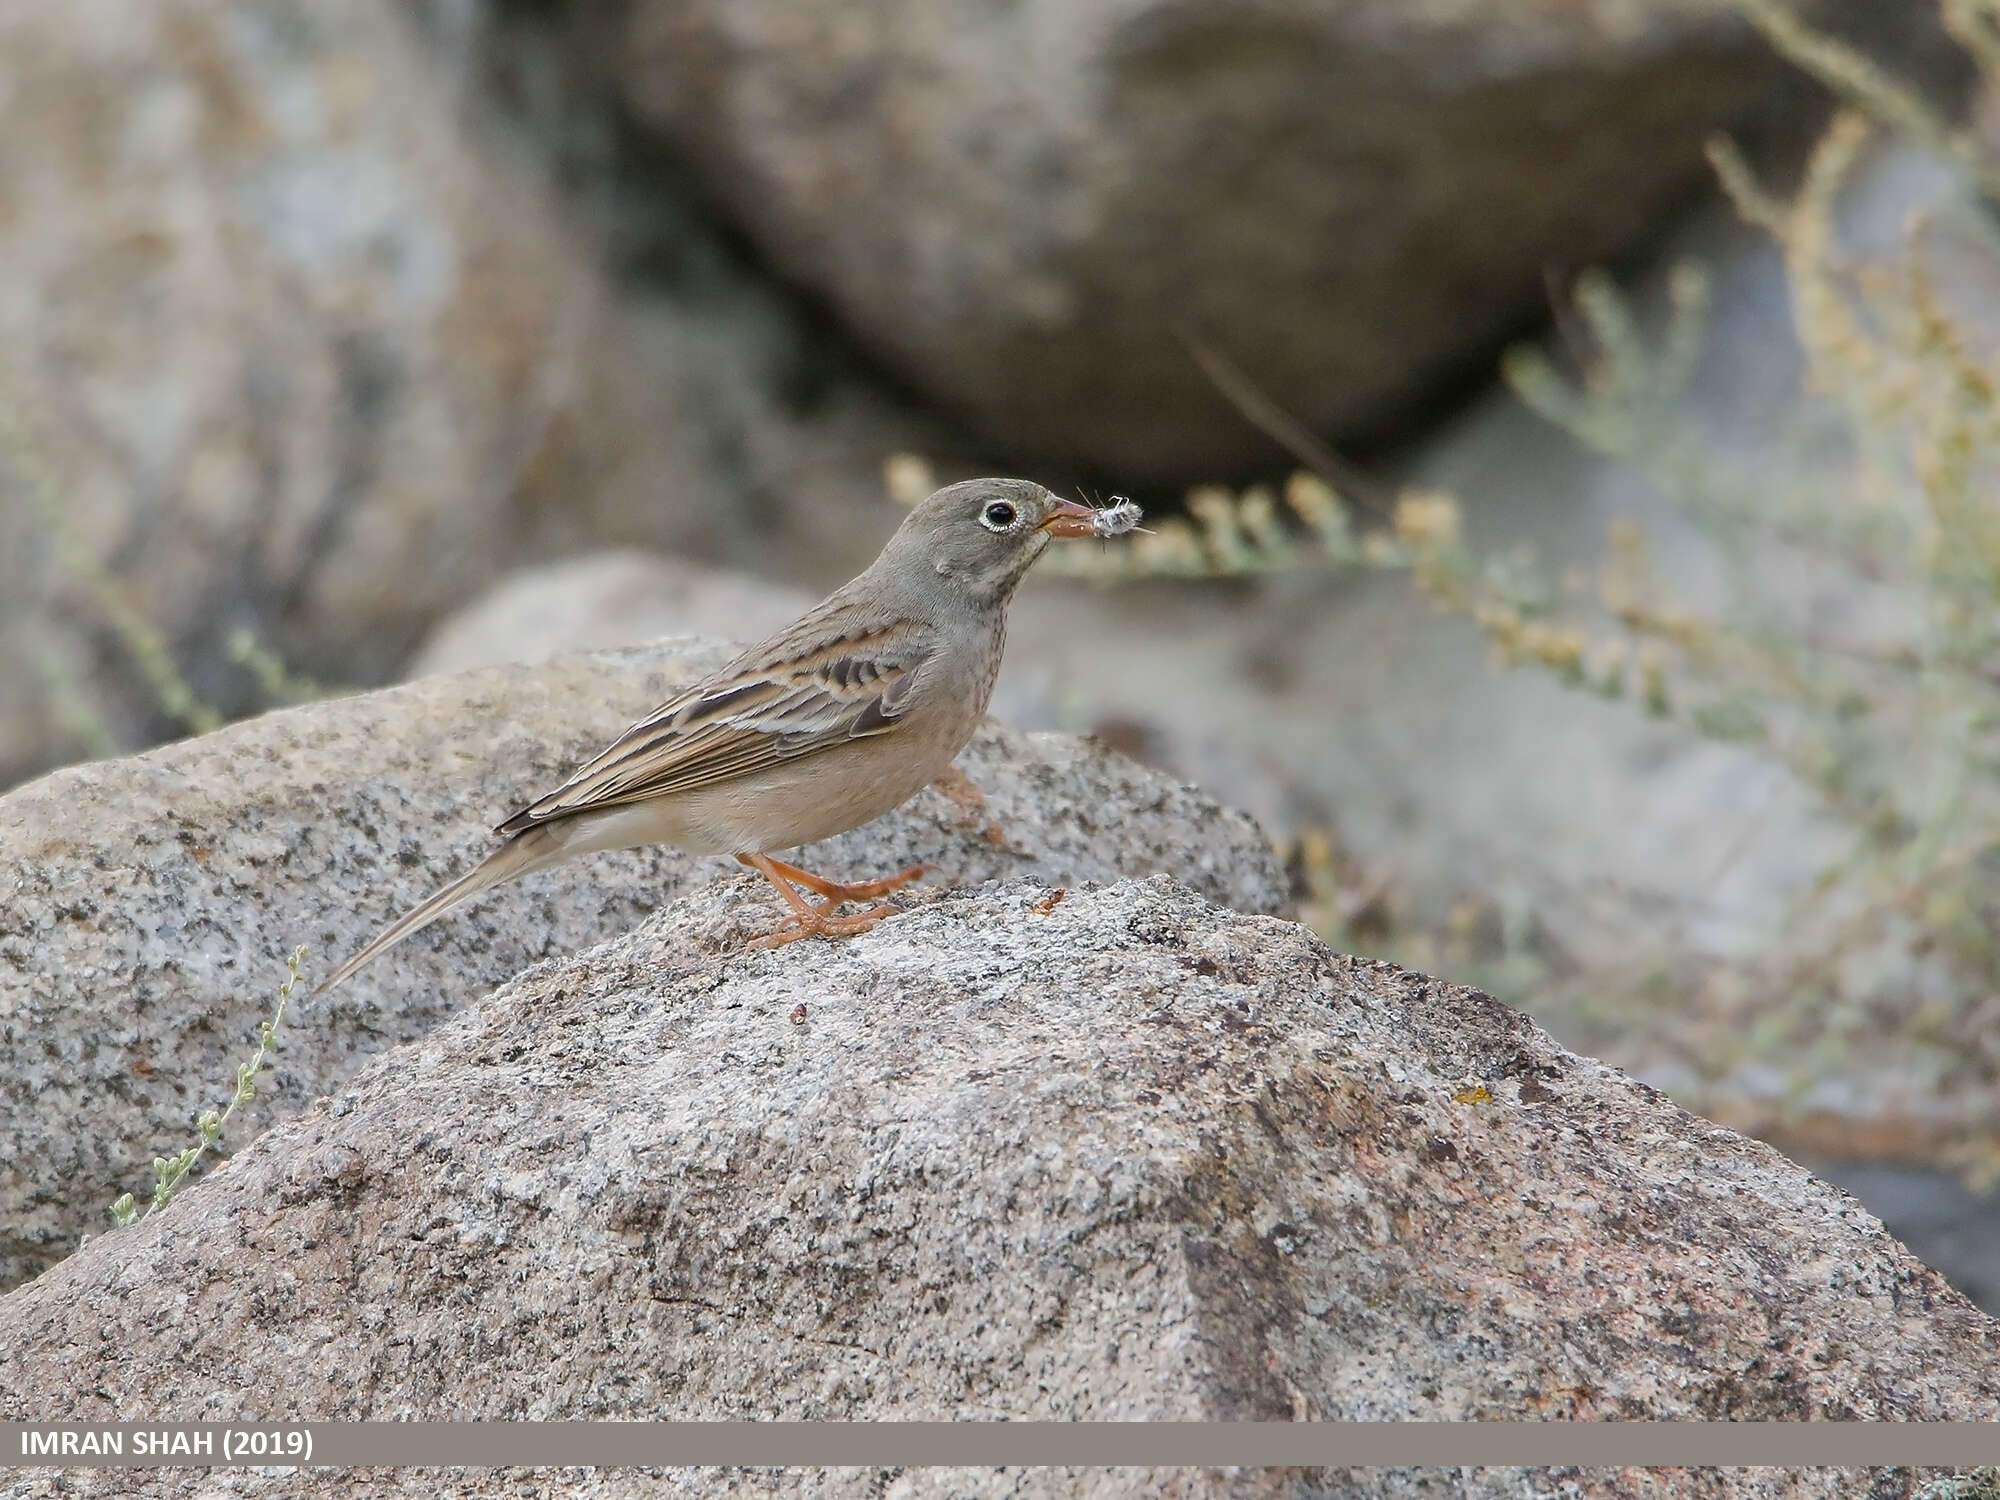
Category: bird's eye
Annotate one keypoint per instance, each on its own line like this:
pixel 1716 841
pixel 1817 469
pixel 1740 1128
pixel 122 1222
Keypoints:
pixel 998 516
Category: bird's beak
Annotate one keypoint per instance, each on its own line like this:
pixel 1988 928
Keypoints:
pixel 1070 519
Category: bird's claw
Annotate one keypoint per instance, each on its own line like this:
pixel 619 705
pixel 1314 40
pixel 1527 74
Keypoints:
pixel 822 923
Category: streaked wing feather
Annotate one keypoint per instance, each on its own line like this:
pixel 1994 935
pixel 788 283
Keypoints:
pixel 742 722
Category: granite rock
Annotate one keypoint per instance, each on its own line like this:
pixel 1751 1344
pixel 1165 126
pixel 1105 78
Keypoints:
pixel 1113 1152
pixel 147 905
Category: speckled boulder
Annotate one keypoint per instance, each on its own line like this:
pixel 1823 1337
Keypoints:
pixel 147 905
pixel 1104 1153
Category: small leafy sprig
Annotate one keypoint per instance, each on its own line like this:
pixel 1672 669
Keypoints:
pixel 170 1171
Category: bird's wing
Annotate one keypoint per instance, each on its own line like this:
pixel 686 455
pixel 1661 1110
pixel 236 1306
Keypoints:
pixel 765 707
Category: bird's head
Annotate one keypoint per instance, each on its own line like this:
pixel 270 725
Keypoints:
pixel 977 538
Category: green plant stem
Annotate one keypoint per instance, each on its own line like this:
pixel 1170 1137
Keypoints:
pixel 170 1171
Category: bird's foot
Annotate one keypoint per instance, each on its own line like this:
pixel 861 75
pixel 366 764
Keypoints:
pixel 822 923
pixel 810 920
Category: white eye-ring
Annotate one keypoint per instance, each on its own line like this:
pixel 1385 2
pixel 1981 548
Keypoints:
pixel 998 516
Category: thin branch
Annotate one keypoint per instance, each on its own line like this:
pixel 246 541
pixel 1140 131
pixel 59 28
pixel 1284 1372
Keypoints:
pixel 1279 425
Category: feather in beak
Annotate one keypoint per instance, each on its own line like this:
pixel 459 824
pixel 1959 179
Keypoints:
pixel 1074 520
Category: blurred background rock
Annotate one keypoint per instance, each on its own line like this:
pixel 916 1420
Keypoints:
pixel 351 339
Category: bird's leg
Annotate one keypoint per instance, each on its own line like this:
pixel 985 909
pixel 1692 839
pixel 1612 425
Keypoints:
pixel 808 920
pixel 860 890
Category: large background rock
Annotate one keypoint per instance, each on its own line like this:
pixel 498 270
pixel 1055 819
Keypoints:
pixel 1120 1155
pixel 299 338
pixel 147 905
pixel 1014 204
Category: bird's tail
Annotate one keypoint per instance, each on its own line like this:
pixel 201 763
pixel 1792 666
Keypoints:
pixel 528 851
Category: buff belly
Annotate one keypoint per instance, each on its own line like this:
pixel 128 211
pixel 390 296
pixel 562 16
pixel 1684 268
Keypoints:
pixel 782 808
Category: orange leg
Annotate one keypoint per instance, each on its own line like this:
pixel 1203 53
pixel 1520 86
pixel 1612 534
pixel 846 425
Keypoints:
pixel 834 891
pixel 808 920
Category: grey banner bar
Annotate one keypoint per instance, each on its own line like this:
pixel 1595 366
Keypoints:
pixel 1416 1444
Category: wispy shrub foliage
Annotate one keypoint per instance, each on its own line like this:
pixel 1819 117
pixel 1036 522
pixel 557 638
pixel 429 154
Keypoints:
pixel 1889 705
pixel 1884 490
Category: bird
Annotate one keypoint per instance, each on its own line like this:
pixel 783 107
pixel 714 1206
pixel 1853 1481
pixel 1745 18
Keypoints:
pixel 838 718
